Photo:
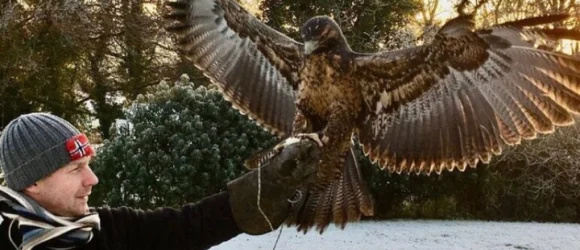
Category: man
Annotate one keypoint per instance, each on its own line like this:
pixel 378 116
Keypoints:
pixel 45 161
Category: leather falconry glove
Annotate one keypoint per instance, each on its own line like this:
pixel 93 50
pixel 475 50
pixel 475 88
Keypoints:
pixel 290 165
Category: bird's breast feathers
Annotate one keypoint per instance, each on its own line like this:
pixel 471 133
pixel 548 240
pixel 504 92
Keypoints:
pixel 324 83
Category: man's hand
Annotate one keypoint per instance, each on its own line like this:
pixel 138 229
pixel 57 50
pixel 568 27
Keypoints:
pixel 292 164
pixel 296 161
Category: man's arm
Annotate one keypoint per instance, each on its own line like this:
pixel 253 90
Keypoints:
pixel 194 226
pixel 219 217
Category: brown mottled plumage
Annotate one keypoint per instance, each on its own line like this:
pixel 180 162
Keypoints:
pixel 443 105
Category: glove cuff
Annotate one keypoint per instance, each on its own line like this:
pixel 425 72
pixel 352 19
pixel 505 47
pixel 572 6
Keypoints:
pixel 273 202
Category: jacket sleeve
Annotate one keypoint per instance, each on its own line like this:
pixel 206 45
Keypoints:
pixel 195 226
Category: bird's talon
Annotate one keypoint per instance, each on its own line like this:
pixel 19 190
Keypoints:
pixel 315 137
pixel 324 139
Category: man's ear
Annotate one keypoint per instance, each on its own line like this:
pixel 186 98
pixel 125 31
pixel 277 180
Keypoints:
pixel 32 189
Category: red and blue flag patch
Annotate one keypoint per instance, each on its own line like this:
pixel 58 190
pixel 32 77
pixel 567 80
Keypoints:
pixel 79 147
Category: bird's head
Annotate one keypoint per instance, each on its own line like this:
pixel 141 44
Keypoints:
pixel 321 33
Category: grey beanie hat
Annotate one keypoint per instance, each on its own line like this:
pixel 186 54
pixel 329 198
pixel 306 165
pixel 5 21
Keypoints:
pixel 33 146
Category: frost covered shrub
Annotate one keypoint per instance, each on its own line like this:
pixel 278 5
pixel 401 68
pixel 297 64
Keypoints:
pixel 180 144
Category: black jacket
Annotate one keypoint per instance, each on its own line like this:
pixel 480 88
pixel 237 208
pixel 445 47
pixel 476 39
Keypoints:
pixel 195 226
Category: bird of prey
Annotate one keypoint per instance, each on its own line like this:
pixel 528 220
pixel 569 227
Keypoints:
pixel 440 106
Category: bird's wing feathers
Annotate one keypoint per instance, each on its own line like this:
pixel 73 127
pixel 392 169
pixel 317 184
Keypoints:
pixel 466 95
pixel 252 64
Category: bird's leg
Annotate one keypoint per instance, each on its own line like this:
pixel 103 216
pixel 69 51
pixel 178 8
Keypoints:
pixel 339 127
pixel 336 137
pixel 300 123
pixel 300 127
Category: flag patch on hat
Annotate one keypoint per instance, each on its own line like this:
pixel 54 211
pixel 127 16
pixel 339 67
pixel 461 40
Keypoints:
pixel 79 147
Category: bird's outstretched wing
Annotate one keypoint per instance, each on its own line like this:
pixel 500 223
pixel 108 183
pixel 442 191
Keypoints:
pixel 466 95
pixel 254 65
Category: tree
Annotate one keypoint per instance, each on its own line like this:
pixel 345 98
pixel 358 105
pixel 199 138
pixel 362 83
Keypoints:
pixel 184 143
pixel 366 24
pixel 540 177
pixel 37 56
pixel 82 60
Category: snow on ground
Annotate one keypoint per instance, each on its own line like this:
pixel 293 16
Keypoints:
pixel 422 234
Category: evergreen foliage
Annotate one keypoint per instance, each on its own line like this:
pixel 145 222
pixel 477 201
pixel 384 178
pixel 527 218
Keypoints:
pixel 180 144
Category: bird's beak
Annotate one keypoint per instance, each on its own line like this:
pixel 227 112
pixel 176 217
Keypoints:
pixel 310 46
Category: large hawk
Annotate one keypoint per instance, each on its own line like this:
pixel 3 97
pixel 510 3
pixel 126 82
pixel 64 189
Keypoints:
pixel 443 105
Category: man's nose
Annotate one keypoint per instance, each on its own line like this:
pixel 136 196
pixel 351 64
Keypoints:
pixel 90 178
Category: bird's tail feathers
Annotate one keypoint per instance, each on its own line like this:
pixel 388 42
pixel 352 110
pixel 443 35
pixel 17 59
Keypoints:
pixel 345 199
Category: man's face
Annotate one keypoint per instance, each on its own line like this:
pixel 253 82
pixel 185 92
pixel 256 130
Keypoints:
pixel 66 191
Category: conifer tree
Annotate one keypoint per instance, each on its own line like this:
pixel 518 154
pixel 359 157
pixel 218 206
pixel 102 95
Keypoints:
pixel 178 145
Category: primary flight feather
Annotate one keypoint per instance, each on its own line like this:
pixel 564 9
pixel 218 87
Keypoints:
pixel 444 105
